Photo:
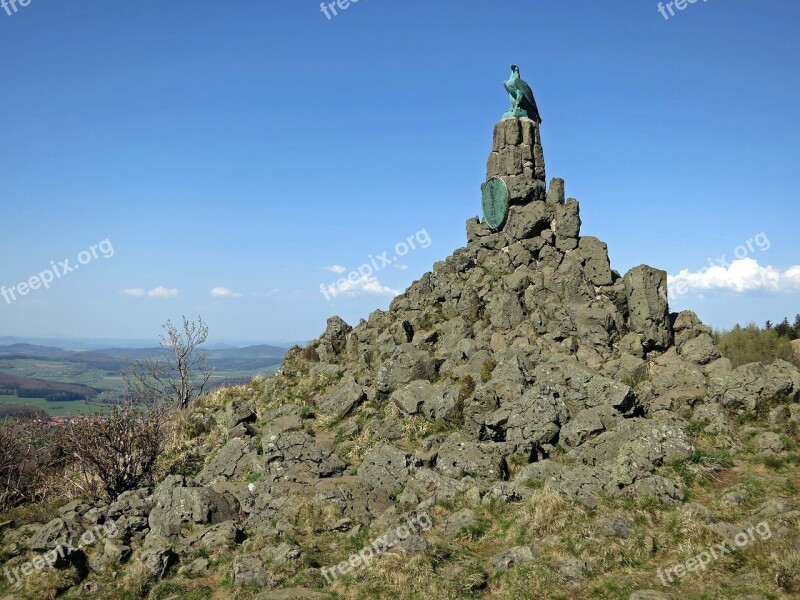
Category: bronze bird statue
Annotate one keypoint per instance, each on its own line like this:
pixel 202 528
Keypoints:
pixel 521 96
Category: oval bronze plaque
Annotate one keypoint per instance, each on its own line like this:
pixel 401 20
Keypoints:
pixel 495 203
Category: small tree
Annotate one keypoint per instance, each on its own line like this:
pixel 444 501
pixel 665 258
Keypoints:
pixel 181 376
pixel 115 452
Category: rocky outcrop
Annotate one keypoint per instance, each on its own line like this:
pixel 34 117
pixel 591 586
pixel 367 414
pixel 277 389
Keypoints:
pixel 521 360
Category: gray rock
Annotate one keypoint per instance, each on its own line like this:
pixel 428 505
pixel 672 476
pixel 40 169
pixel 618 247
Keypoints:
pixel 458 522
pixel 157 558
pixel 411 397
pixel 555 193
pixel 343 398
pixel 513 557
pixel 295 455
pixel 749 386
pixel 237 412
pixel 631 344
pixel 248 570
pixel 478 459
pixel 768 444
pixel 51 536
pixel 698 512
pixel 386 468
pixel 176 505
pixel 615 525
pixel 333 342
pixel 527 221
pixel 535 417
pixel 282 419
pixel 477 231
pixel 405 365
pixel 109 554
pixel 571 570
pixel 236 460
pixel 595 259
pixel 567 225
pixel 196 568
pixel 646 291
pixel 282 554
pixel 505 492
pixel 135 503
pixel 714 418
pixel 589 423
pixel 226 535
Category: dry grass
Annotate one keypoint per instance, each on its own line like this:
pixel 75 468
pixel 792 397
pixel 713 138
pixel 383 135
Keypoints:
pixel 547 512
pixel 360 447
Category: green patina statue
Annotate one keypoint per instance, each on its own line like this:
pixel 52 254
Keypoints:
pixel 523 103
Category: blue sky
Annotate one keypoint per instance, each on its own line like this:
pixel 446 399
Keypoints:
pixel 246 146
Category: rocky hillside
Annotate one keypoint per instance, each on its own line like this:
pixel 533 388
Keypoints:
pixel 523 422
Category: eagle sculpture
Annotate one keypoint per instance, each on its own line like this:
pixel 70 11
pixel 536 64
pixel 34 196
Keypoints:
pixel 521 96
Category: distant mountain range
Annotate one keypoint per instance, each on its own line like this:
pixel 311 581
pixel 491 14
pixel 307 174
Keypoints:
pixel 65 381
pixel 79 344
pixel 118 359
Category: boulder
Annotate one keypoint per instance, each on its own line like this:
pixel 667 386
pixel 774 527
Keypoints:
pixel 527 221
pixel 342 399
pixel 248 570
pixel 567 225
pixel 595 260
pixel 513 557
pixel 236 460
pixel 485 460
pixel 177 505
pixel 386 468
pixel 648 313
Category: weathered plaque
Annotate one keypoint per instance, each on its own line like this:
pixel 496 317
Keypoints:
pixel 495 203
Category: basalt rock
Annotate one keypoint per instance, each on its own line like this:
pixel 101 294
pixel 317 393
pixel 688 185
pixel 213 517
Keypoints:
pixel 521 360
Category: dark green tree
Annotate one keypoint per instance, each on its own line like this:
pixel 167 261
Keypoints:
pixel 785 330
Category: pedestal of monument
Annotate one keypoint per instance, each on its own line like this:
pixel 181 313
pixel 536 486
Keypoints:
pixel 517 158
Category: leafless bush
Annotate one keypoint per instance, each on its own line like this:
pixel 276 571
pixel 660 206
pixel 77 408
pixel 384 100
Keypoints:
pixel 180 378
pixel 28 459
pixel 115 452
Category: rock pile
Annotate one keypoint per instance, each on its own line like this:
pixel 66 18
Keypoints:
pixel 523 357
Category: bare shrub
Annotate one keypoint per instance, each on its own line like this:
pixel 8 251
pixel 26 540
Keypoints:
pixel 28 460
pixel 116 452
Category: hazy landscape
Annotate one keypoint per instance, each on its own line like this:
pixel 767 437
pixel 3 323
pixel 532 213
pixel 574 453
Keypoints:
pixel 76 382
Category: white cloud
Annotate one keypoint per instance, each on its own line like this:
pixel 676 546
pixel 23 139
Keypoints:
pixel 743 275
pixel 366 284
pixel 338 269
pixel 222 292
pixel 159 292
pixel 138 292
pixel 162 292
pixel 401 267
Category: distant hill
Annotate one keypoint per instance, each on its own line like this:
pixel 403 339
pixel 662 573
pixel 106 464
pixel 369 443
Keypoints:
pixel 117 360
pixel 32 351
pixel 27 387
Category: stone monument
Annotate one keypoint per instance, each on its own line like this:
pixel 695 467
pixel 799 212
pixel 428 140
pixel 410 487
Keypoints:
pixel 515 171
